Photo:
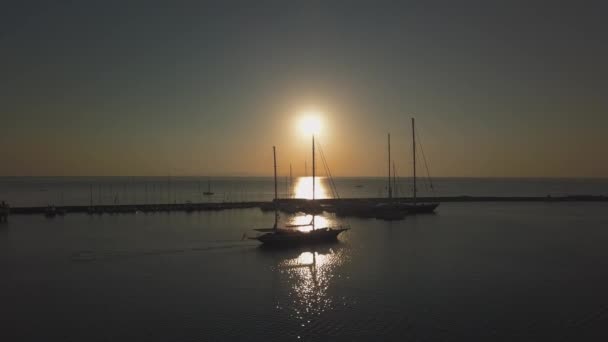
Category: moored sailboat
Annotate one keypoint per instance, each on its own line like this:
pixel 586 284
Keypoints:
pixel 414 207
pixel 391 208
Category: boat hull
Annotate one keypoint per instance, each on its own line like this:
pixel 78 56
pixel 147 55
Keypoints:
pixel 295 237
pixel 422 208
pixel 385 211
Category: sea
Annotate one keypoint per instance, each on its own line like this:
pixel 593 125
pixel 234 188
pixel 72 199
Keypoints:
pixel 494 271
pixel 59 191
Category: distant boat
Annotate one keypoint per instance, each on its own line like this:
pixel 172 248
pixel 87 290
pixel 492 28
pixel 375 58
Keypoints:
pixel 287 236
pixel 208 192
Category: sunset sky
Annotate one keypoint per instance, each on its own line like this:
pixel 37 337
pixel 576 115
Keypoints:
pixel 207 88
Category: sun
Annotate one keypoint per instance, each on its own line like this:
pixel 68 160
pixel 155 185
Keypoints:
pixel 310 123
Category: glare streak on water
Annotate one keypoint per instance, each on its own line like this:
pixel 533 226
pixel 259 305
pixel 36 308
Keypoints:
pixel 310 275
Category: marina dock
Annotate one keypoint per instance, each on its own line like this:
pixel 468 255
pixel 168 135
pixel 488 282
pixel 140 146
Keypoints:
pixel 328 205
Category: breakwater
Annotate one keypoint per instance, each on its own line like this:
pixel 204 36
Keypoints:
pixel 327 204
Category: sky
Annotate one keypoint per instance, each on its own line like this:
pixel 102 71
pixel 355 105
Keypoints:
pixel 154 88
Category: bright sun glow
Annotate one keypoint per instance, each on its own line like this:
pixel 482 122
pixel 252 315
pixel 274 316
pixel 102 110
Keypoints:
pixel 303 188
pixel 310 123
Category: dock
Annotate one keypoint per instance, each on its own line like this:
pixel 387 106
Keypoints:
pixel 285 204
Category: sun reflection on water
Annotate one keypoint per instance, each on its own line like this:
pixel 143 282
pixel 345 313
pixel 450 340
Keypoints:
pixel 309 276
pixel 303 188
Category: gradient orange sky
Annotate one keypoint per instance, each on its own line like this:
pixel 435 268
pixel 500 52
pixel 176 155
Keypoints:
pixel 156 88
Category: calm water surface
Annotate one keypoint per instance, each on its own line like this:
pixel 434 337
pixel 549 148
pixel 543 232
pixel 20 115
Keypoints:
pixel 42 191
pixel 493 271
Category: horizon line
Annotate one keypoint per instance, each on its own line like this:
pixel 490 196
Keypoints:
pixel 299 176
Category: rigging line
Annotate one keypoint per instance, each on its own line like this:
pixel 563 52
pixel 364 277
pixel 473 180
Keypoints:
pixel 331 178
pixel 328 171
pixel 423 183
pixel 324 162
pixel 426 165
pixel 428 185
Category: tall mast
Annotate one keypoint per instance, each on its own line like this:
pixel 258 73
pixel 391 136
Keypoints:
pixel 313 178
pixel 290 181
pixel 390 189
pixel 313 167
pixel 274 157
pixel 276 213
pixel 414 156
pixel 394 180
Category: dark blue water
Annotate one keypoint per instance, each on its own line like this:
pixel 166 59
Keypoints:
pixel 474 271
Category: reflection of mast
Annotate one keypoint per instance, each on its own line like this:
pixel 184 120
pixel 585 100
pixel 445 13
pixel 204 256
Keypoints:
pixel 313 269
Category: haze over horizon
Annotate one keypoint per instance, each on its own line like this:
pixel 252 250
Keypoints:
pixel 152 88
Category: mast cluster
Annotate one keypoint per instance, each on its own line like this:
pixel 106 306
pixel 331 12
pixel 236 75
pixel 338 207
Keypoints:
pixel 391 182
